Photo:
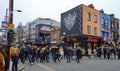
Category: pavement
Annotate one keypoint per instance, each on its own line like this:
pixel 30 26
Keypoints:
pixel 93 64
pixel 20 67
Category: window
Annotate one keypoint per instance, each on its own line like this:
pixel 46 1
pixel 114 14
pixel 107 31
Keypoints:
pixel 107 34
pixel 88 29
pixel 112 25
pixel 106 22
pixel 95 30
pixel 102 20
pixel 95 18
pixel 103 34
pixel 88 16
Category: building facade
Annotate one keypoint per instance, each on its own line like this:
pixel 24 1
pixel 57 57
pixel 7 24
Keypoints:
pixel 104 25
pixel 20 33
pixel 81 26
pixel 31 27
pixel 91 24
pixel 42 34
pixel 119 29
pixel 114 26
pixel 55 36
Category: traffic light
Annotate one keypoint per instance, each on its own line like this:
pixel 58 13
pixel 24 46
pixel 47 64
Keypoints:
pixel 10 36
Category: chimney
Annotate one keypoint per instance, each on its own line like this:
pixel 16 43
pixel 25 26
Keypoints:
pixel 91 6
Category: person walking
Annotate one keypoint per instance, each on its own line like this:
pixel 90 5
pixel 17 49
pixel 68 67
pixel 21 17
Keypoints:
pixel 105 51
pixel 78 54
pixel 118 52
pixel 89 53
pixel 14 54
pixel 2 62
pixel 61 52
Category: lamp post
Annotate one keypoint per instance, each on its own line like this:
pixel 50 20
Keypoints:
pixel 11 25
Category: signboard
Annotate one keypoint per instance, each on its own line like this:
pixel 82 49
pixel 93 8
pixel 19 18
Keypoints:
pixel 71 22
pixel 11 26
pixel 4 24
pixel 4 36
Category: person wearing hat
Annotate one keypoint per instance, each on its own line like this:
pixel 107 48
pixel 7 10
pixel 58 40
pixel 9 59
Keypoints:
pixel 14 53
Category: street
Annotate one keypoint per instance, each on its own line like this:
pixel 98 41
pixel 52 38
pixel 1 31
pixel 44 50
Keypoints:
pixel 84 65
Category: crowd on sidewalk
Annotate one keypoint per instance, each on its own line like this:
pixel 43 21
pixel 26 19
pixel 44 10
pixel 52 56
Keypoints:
pixel 57 53
pixel 42 54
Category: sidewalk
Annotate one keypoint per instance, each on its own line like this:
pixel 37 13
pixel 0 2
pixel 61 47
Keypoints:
pixel 20 67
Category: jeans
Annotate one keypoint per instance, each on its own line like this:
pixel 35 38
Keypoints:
pixel 69 58
pixel 30 57
pixel 15 62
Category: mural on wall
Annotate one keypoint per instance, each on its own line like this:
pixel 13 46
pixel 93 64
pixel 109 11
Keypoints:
pixel 70 20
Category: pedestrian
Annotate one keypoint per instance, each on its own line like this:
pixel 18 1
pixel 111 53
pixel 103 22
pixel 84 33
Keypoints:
pixel 108 52
pixel 69 52
pixel 29 51
pixel 89 53
pixel 78 54
pixel 104 51
pixel 14 54
pixel 118 52
pixel 2 62
pixel 5 59
pixel 61 52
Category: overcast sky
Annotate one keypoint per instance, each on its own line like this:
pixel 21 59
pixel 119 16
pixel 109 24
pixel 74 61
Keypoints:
pixel 32 9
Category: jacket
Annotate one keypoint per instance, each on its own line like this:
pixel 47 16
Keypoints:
pixel 14 51
pixel 2 64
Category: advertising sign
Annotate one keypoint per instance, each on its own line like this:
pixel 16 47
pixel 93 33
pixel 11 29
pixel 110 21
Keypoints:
pixel 71 22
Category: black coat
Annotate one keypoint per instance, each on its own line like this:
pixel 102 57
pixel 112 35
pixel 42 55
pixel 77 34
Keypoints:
pixel 79 53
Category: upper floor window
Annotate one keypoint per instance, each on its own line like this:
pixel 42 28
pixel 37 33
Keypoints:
pixel 33 28
pixel 88 16
pixel 95 30
pixel 95 18
pixel 89 29
pixel 102 20
pixel 106 22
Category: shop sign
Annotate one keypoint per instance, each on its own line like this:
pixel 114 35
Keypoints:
pixel 74 39
pixel 45 28
pixel 92 39
pixel 106 29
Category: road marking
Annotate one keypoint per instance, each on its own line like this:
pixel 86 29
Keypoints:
pixel 46 67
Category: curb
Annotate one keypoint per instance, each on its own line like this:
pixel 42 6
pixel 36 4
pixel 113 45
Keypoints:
pixel 21 68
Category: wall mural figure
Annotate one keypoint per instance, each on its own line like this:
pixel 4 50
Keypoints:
pixel 70 20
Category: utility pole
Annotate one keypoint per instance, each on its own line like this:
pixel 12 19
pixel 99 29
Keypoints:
pixel 11 11
pixel 11 33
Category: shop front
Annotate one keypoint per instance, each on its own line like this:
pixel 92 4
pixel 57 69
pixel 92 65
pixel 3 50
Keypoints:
pixel 84 41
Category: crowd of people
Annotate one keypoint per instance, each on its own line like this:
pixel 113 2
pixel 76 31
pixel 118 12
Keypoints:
pixel 56 53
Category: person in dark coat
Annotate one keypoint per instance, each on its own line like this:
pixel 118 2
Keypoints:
pixel 104 51
pixel 78 54
pixel 118 53
pixel 108 52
